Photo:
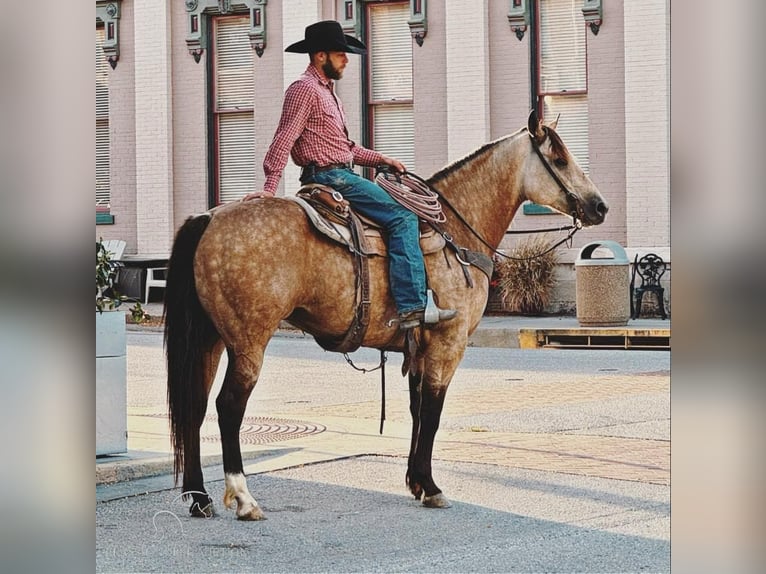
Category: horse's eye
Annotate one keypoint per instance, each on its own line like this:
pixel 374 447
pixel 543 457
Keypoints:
pixel 560 162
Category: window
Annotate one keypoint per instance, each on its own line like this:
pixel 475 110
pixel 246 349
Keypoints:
pixel 103 185
pixel 233 130
pixel 390 81
pixel 563 73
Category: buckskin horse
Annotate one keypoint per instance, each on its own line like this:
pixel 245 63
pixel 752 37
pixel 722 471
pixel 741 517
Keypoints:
pixel 239 269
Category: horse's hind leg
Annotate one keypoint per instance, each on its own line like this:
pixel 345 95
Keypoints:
pixel 241 376
pixel 202 504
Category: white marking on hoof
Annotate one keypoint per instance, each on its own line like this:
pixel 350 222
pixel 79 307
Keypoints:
pixel 236 493
pixel 255 513
pixel 436 501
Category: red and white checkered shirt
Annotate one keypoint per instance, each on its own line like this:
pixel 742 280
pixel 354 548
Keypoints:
pixel 312 129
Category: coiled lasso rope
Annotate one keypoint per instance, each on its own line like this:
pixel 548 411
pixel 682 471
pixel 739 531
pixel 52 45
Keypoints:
pixel 413 193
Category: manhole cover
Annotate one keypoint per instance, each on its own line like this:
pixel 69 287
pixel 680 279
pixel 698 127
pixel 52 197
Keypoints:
pixel 259 430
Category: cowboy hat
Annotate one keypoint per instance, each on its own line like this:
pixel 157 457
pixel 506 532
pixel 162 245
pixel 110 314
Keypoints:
pixel 327 36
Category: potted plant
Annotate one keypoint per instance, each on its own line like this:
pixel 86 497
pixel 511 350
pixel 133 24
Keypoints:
pixel 525 279
pixel 111 356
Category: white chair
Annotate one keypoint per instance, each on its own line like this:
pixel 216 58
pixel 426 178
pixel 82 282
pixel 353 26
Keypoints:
pixel 155 277
pixel 115 248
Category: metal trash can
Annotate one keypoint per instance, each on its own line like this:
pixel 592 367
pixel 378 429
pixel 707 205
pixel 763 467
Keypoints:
pixel 602 286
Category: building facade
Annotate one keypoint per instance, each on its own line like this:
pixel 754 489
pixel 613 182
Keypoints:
pixel 189 94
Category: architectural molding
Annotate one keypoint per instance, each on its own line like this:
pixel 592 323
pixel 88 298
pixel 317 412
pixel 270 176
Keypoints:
pixel 348 16
pixel 109 15
pixel 591 10
pixel 196 23
pixel 518 17
pixel 418 21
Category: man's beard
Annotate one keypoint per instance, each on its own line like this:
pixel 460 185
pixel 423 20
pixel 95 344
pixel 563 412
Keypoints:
pixel 331 71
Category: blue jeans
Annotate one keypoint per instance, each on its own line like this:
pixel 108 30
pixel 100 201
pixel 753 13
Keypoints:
pixel 407 274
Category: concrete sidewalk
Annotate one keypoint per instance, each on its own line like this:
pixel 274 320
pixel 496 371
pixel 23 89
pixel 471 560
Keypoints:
pixel 514 332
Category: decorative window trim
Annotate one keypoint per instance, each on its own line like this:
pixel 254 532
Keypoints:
pixel 104 218
pixel 349 21
pixel 592 11
pixel 109 15
pixel 196 24
pixel 418 21
pixel 518 17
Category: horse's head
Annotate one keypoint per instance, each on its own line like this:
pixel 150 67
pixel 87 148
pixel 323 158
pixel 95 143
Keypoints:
pixel 553 178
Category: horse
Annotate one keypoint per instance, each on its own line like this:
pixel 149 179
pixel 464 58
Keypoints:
pixel 236 271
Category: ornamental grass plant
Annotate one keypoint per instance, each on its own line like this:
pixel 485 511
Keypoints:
pixel 526 281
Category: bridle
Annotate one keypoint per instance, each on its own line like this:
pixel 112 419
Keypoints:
pixel 570 195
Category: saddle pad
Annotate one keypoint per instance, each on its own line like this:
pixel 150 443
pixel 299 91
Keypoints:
pixel 430 241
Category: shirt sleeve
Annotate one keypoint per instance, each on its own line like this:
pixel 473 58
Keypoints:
pixel 299 99
pixel 366 157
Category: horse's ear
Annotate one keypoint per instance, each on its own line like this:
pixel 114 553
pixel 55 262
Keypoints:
pixel 535 126
pixel 554 123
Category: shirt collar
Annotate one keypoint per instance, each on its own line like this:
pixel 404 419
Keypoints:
pixel 312 71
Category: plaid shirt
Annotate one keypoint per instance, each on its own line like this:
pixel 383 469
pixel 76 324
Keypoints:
pixel 312 129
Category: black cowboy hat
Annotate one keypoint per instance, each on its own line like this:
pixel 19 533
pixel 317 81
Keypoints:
pixel 327 36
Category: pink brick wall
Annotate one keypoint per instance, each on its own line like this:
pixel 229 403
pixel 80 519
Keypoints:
pixel 647 121
pixel 606 110
pixel 269 90
pixel 122 129
pixel 190 173
pixel 154 136
pixel 430 95
pixel 508 74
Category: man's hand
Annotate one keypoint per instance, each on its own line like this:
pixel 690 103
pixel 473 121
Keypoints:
pixel 256 195
pixel 395 163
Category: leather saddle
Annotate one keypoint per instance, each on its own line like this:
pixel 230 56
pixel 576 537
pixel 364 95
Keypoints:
pixel 331 215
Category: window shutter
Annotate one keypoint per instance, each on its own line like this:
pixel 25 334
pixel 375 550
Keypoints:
pixel 395 133
pixel 573 124
pixel 103 187
pixel 234 109
pixel 233 65
pixel 562 44
pixel 236 150
pixel 390 43
pixel 390 53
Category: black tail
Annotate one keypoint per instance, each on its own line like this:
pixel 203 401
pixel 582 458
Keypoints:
pixel 189 333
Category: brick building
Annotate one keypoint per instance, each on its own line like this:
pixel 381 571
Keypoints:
pixel 189 95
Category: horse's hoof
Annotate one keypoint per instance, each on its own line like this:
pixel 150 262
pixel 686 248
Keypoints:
pixel 255 513
pixel 198 511
pixel 415 488
pixel 436 501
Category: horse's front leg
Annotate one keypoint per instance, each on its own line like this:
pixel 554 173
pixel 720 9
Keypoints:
pixel 241 376
pixel 426 401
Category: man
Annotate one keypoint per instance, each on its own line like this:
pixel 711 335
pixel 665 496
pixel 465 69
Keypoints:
pixel 313 130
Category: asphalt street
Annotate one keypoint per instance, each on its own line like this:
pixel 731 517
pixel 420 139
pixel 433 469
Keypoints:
pixel 554 460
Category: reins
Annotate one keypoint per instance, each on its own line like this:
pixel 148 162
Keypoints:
pixel 423 199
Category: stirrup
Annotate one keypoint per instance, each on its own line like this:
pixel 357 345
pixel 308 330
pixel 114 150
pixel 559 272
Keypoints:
pixel 431 315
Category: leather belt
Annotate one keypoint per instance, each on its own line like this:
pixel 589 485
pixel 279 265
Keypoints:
pixel 308 171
